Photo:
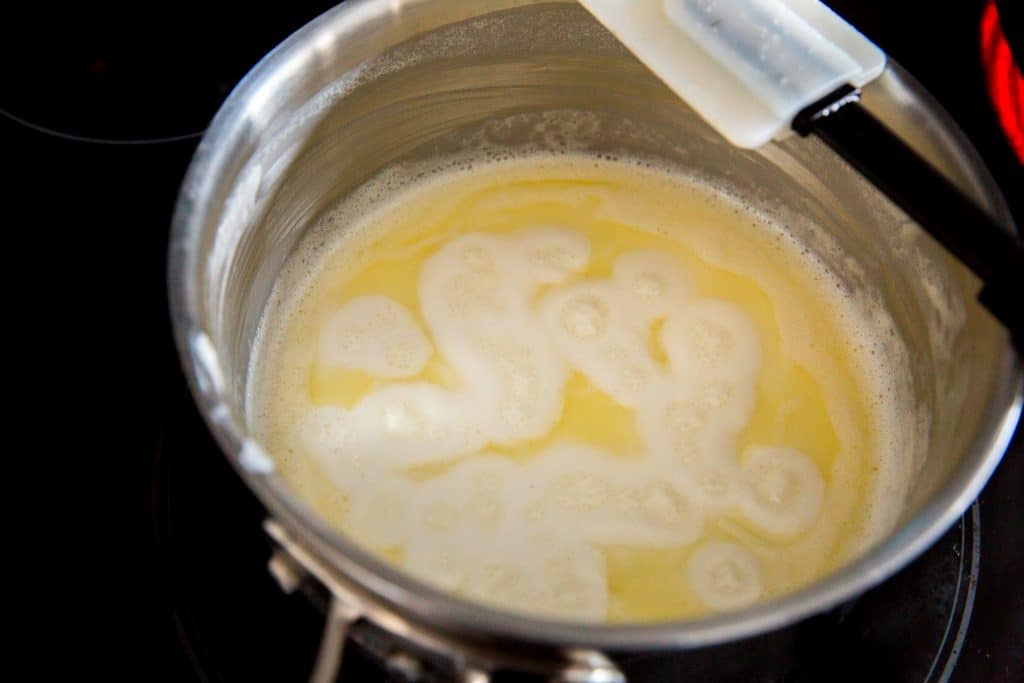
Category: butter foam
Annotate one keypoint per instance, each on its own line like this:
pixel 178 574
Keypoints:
pixel 449 459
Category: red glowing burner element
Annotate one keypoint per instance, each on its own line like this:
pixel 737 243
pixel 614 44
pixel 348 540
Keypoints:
pixel 1003 77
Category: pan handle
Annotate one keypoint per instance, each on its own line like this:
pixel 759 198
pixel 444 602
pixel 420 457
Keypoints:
pixel 412 651
pixel 340 619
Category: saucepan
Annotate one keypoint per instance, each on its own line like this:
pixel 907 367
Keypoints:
pixel 373 83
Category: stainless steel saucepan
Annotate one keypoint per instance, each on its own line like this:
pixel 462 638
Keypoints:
pixel 374 83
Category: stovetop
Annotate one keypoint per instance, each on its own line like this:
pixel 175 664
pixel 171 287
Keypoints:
pixel 155 561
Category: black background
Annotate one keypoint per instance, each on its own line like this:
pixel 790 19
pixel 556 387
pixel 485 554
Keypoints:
pixel 102 406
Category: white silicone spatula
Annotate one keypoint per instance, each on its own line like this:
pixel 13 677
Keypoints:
pixel 756 69
pixel 746 66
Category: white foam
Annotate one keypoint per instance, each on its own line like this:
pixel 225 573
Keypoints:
pixel 550 255
pixel 377 335
pixel 462 286
pixel 784 490
pixel 479 496
pixel 685 424
pixel 591 494
pixel 398 426
pixel 712 339
pixel 523 383
pixel 725 576
pixel 715 487
pixel 443 562
pixel 540 574
pixel 592 325
pixel 539 524
pixel 513 357
pixel 475 293
pixel 378 512
pixel 656 281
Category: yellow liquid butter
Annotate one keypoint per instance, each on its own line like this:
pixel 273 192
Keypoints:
pixel 581 388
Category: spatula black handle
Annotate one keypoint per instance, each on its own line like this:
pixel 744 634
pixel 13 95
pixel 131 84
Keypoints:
pixel 990 250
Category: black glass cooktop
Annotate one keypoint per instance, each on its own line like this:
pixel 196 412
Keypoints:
pixel 154 564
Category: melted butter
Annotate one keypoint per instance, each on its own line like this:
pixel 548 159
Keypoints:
pixel 809 388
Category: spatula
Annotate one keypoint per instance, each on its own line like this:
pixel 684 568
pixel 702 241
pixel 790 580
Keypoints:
pixel 755 69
